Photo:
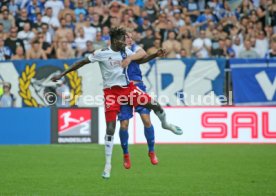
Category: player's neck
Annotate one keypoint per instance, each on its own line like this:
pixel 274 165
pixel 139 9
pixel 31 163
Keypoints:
pixel 114 48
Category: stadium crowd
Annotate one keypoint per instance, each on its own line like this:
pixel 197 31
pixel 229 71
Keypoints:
pixel 42 29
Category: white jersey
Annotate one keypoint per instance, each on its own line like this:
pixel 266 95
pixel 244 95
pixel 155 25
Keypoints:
pixel 110 64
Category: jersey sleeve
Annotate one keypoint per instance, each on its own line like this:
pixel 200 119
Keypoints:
pixel 129 52
pixel 137 48
pixel 95 56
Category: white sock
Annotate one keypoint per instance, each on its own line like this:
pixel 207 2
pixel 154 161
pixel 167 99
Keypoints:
pixel 108 149
pixel 162 117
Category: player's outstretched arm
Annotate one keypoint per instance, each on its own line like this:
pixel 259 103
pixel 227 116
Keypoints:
pixel 138 55
pixel 160 53
pixel 73 67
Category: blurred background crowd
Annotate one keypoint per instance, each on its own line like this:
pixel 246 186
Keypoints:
pixel 43 29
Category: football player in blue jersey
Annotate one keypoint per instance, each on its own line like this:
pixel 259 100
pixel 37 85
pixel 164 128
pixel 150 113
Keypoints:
pixel 135 75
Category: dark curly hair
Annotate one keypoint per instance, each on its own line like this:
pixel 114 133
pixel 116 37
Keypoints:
pixel 117 33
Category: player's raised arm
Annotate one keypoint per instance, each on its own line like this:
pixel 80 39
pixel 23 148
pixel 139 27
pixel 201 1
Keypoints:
pixel 134 57
pixel 74 67
pixel 159 53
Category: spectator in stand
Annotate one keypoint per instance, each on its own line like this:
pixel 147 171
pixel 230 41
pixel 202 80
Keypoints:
pixel 144 26
pixel 23 18
pixel 268 31
pixel 34 7
pixel 19 54
pixel 116 9
pixel 56 6
pixel 6 21
pixel 89 31
pixel 99 7
pixel 80 41
pixel 155 47
pixel 253 43
pixel 182 54
pixel 172 45
pixel 45 30
pixel 81 22
pixel 230 53
pixel 69 22
pixel 50 19
pixel 99 43
pixel 163 25
pixel 134 7
pixel 248 52
pixel 89 49
pixel 128 23
pixel 215 40
pixel 11 16
pixel 64 51
pixel 245 8
pixel 201 46
pixel 182 17
pixel 37 26
pixel 4 35
pixel 221 50
pixel 177 20
pixel 36 52
pixel 191 10
pixel 105 35
pixel 152 9
pixel 67 10
pixel 12 41
pixel 62 30
pixel 46 47
pixel 70 37
pixel 13 7
pixel 90 13
pixel 5 51
pixel 80 9
pixel 188 26
pixel 272 52
pixel 261 11
pixel 262 44
pixel 114 22
pixel 272 15
pixel 26 35
pixel 186 41
pixel 7 99
pixel 96 23
pixel 210 28
pixel 147 41
pixel 204 18
pixel 237 46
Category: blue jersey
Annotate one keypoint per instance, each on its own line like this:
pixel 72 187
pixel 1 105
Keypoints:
pixel 133 70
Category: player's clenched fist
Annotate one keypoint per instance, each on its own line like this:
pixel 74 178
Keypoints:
pixel 161 52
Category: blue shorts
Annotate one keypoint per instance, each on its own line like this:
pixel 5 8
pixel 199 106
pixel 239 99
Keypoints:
pixel 126 112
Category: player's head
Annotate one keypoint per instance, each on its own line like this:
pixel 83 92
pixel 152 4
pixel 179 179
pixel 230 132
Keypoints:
pixel 129 40
pixel 117 37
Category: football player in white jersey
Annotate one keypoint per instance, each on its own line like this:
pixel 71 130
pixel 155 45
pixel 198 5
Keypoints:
pixel 113 62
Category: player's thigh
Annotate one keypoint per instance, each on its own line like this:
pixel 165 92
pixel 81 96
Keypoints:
pixel 137 96
pixel 126 112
